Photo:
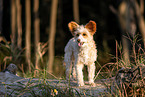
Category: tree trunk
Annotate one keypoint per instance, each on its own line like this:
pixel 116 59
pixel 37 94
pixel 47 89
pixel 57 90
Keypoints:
pixel 1 15
pixel 53 19
pixel 13 24
pixel 28 33
pixel 19 25
pixel 127 23
pixel 37 34
pixel 76 10
pixel 140 18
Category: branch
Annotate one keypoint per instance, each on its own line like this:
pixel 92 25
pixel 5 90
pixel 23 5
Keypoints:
pixel 113 10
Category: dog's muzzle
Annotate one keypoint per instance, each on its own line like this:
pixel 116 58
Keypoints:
pixel 79 42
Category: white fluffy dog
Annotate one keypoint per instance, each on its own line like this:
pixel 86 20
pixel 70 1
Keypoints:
pixel 80 50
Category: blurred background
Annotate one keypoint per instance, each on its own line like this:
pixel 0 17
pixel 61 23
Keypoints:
pixel 33 33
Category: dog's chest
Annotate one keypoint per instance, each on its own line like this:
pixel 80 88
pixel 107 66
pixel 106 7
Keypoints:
pixel 84 55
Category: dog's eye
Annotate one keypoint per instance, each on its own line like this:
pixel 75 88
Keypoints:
pixel 84 34
pixel 77 34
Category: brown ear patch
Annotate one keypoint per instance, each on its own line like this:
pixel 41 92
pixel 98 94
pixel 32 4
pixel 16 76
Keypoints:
pixel 91 26
pixel 73 27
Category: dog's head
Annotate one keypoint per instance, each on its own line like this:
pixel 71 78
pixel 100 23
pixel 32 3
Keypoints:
pixel 82 34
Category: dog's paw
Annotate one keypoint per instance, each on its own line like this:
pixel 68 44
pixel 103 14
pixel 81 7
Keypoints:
pixel 92 84
pixel 81 84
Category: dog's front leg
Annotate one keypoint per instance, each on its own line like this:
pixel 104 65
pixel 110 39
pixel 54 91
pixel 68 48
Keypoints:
pixel 91 73
pixel 68 64
pixel 73 73
pixel 79 74
pixel 68 71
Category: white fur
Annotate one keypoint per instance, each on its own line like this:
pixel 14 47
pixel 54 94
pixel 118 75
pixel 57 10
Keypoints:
pixel 76 56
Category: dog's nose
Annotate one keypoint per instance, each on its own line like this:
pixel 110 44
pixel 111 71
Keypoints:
pixel 78 40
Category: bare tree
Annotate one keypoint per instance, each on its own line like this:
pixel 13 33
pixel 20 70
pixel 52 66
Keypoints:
pixel 1 14
pixel 37 33
pixel 19 24
pixel 139 15
pixel 76 10
pixel 28 33
pixel 13 24
pixel 130 11
pixel 53 19
pixel 127 22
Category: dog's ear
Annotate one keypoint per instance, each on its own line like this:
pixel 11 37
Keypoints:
pixel 73 27
pixel 91 26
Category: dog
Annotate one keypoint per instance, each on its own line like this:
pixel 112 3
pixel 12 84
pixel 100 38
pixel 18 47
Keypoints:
pixel 79 51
